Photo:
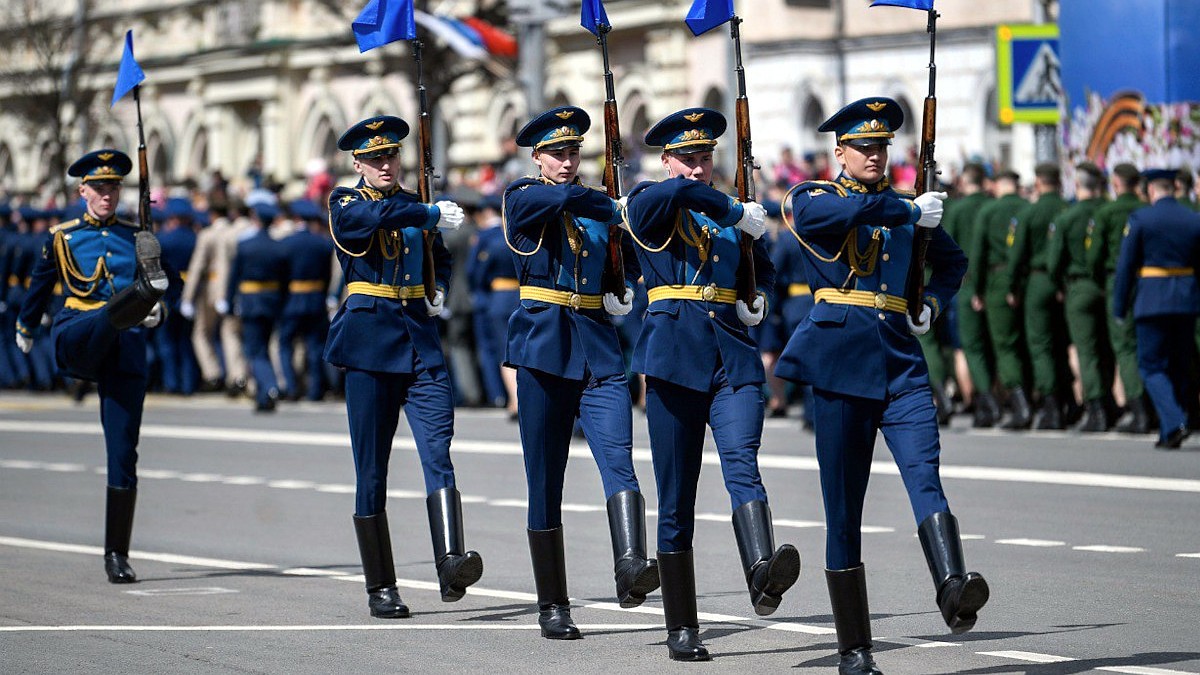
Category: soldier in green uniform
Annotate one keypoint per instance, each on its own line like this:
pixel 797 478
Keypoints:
pixel 989 285
pixel 1030 289
pixel 961 221
pixel 1110 221
pixel 1071 238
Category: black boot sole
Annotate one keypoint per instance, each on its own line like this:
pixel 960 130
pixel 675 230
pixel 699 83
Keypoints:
pixel 782 573
pixel 646 582
pixel 972 597
pixel 149 263
pixel 469 571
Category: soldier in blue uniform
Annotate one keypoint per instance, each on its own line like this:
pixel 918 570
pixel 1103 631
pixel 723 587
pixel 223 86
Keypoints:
pixel 385 337
pixel 180 372
pixel 702 367
pixel 113 279
pixel 796 300
pixel 568 360
pixel 309 255
pixel 494 297
pixel 1157 275
pixel 859 351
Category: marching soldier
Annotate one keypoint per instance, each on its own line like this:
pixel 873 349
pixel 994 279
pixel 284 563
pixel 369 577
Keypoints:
pixel 702 367
pixel 569 363
pixel 1030 290
pixel 857 233
pixel 174 337
pixel 1156 277
pixel 385 337
pixel 796 303
pixel 309 252
pixel 1110 220
pixel 114 280
pixel 991 283
pixel 1072 267
pixel 494 295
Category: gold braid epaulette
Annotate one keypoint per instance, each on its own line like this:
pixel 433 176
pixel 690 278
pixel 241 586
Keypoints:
pixel 861 264
pixel 69 269
pixel 675 229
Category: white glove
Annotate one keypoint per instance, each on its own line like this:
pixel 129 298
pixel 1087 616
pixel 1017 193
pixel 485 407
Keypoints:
pixel 921 327
pixel 222 306
pixel 930 204
pixel 439 301
pixel 46 320
pixel 622 204
pixel 187 310
pixel 331 304
pixel 755 317
pixel 452 215
pixel 621 306
pixel 24 343
pixel 155 316
pixel 754 220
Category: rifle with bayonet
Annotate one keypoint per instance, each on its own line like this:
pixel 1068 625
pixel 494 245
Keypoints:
pixel 747 287
pixel 425 174
pixel 613 280
pixel 927 179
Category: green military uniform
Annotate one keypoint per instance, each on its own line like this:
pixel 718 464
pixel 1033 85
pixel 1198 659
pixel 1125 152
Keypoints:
pixel 1071 266
pixel 961 221
pixel 1110 221
pixel 1045 326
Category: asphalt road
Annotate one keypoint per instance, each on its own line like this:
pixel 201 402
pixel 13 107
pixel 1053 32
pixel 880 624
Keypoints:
pixel 245 551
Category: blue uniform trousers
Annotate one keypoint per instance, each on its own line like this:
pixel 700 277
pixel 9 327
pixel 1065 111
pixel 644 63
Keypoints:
pixel 256 342
pixel 845 436
pixel 173 340
pixel 312 329
pixel 373 401
pixel 1164 348
pixel 89 348
pixel 489 350
pixel 676 416
pixel 547 406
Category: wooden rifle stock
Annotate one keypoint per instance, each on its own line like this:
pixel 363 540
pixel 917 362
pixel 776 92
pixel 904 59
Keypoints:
pixel 747 286
pixel 926 180
pixel 143 189
pixel 613 280
pixel 425 173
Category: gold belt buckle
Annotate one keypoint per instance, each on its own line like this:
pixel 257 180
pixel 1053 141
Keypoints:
pixel 709 293
pixel 574 301
pixel 880 300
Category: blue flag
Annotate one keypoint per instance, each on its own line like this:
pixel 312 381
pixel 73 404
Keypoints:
pixel 706 15
pixel 924 5
pixel 593 16
pixel 130 74
pixel 384 21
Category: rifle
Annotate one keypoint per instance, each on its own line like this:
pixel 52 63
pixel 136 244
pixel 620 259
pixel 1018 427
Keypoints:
pixel 747 288
pixel 613 279
pixel 143 167
pixel 927 179
pixel 425 174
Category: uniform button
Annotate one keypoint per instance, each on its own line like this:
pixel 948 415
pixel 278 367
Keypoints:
pixel 716 258
pixel 883 287
pixel 404 303
pixel 584 280
pixel 886 257
pixel 103 233
pixel 406 250
pixel 712 315
pixel 585 254
pixel 407 277
pixel 881 316
pixel 109 254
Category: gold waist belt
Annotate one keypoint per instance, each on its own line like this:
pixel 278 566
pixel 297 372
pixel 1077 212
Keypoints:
pixel 183 276
pixel 315 286
pixel 798 289
pixel 14 280
pixel 1166 272
pixel 891 303
pixel 708 293
pixel 505 284
pixel 385 291
pixel 250 287
pixel 564 298
pixel 84 304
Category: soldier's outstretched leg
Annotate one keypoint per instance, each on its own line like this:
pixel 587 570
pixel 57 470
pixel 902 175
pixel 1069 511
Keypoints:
pixel 852 620
pixel 960 594
pixel 131 304
pixel 550 580
pixel 375 548
pixel 770 572
pixel 118 529
pixel 678 573
pixel 635 576
pixel 457 567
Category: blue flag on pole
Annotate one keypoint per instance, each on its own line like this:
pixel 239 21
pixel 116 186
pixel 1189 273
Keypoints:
pixel 384 21
pixel 924 5
pixel 130 74
pixel 593 16
pixel 706 15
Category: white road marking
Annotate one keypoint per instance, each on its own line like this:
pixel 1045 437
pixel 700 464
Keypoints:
pixel 243 480
pixel 1187 555
pixel 205 590
pixel 1039 543
pixel 1103 548
pixel 292 484
pixel 466 625
pixel 1032 657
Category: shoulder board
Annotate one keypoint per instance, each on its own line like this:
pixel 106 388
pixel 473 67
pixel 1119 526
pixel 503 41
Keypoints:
pixel 127 223
pixel 597 188
pixel 822 187
pixel 522 183
pixel 907 194
pixel 62 226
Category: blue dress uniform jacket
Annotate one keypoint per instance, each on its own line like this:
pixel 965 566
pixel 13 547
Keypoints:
pixel 685 341
pixel 309 268
pixel 173 337
pixel 846 220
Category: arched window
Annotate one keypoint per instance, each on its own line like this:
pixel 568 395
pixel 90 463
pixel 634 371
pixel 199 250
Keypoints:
pixel 8 176
pixel 812 113
pixel 160 166
pixel 198 155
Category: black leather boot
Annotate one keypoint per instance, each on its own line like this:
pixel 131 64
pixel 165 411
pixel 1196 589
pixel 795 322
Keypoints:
pixel 1018 402
pixel 550 579
pixel 133 303
pixel 679 606
pixel 985 407
pixel 852 620
pixel 1139 421
pixel 1095 418
pixel 942 404
pixel 635 576
pixel 1049 415
pixel 457 567
pixel 118 530
pixel 375 549
pixel 769 572
pixel 960 594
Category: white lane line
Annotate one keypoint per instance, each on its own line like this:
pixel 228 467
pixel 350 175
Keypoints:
pixel 911 642
pixel 1032 657
pixel 766 461
pixel 1143 670
pixel 171 558
pixel 291 484
pixel 243 480
pixel 201 478
pixel 1104 548
pixel 65 467
pixel 1187 555
pixel 1038 543
pixel 466 625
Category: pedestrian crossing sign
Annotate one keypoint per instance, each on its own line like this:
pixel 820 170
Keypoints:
pixel 1028 73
